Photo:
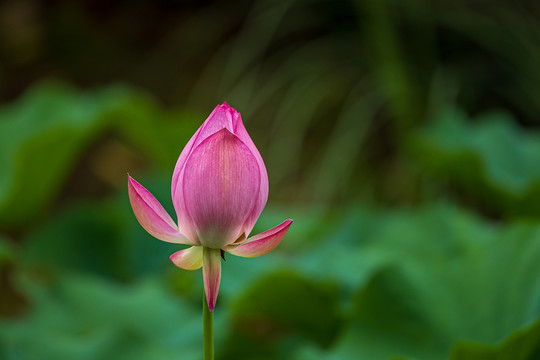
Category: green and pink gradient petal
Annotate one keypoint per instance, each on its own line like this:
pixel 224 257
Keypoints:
pixel 188 259
pixel 211 275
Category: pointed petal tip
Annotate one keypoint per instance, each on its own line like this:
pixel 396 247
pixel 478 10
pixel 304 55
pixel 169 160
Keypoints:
pixel 262 243
pixel 225 132
pixel 226 106
pixel 211 275
pixel 152 216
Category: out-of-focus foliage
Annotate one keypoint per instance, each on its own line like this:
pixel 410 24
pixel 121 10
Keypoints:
pixel 46 131
pixel 401 136
pixel 491 158
pixel 377 287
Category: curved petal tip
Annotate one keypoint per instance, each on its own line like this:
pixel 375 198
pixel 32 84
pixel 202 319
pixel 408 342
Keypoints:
pixel 262 243
pixel 152 216
pixel 188 259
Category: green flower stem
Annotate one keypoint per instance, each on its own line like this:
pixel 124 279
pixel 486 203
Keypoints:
pixel 208 331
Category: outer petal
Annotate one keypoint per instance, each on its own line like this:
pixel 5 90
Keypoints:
pixel 220 118
pixel 241 132
pixel 188 259
pixel 221 187
pixel 152 216
pixel 262 243
pixel 211 275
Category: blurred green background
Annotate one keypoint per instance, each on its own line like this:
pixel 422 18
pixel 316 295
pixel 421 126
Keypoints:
pixel 402 136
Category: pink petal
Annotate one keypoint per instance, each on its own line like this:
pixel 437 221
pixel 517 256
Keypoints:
pixel 184 222
pixel 221 118
pixel 152 216
pixel 262 243
pixel 241 132
pixel 221 188
pixel 211 275
pixel 188 259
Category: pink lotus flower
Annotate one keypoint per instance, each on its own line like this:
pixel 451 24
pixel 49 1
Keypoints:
pixel 219 189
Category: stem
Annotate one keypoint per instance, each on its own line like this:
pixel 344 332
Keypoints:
pixel 208 331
